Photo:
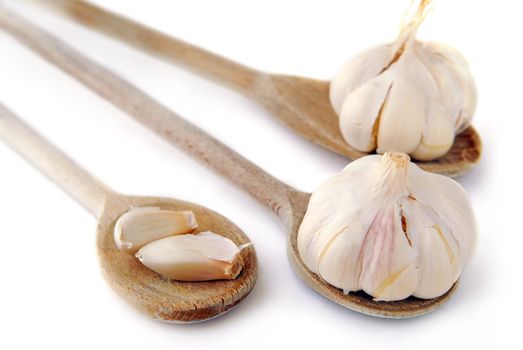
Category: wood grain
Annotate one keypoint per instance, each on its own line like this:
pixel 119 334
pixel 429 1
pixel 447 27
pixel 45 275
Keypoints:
pixel 286 202
pixel 302 104
pixel 220 69
pixel 55 164
pixel 170 301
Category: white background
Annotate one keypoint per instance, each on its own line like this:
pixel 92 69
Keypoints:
pixel 52 294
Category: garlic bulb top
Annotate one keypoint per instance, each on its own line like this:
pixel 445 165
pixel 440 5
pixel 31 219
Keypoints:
pixel 408 96
pixel 386 227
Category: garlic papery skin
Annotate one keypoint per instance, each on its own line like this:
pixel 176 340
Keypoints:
pixel 204 256
pixel 389 228
pixel 408 96
pixel 141 225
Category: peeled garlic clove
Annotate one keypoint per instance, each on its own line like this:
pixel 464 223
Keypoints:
pixel 204 256
pixel 384 226
pixel 142 225
pixel 429 81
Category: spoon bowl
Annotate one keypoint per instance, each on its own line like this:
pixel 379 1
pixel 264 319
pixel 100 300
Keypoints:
pixel 159 298
pixel 302 104
pixel 170 300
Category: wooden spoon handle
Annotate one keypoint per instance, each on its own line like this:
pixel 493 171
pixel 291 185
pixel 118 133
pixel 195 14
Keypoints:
pixel 203 62
pixel 267 189
pixel 52 162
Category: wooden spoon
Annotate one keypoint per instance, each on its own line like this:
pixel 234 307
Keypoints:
pixel 286 202
pixel 157 297
pixel 302 104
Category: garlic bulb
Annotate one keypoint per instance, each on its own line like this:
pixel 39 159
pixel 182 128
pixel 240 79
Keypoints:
pixel 193 257
pixel 408 96
pixel 386 227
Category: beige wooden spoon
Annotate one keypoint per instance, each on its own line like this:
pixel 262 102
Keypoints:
pixel 286 202
pixel 157 297
pixel 300 103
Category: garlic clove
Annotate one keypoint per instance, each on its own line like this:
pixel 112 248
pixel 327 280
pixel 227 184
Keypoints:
pixel 345 248
pixel 437 250
pixel 448 82
pixel 361 111
pixel 401 123
pixel 458 67
pixel 398 285
pixel 323 222
pixel 142 225
pixel 449 201
pixel 387 260
pixel 204 256
pixel 438 273
pixel 456 85
pixel 332 244
pixel 357 71
pixel 437 139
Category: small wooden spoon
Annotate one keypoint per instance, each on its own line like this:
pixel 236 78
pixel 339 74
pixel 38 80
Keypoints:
pixel 286 202
pixel 155 296
pixel 302 104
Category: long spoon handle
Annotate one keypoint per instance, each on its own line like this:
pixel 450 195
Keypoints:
pixel 76 181
pixel 203 62
pixel 179 132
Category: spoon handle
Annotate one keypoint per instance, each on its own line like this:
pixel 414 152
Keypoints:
pixel 76 181
pixel 205 63
pixel 176 130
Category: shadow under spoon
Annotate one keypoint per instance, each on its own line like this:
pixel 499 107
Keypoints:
pixel 302 104
pixel 287 203
pixel 169 301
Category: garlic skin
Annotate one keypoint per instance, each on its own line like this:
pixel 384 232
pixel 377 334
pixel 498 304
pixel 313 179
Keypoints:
pixel 141 225
pixel 408 96
pixel 384 226
pixel 204 256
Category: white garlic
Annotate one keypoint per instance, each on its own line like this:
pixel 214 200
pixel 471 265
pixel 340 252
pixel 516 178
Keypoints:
pixel 142 225
pixel 386 227
pixel 193 257
pixel 408 96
